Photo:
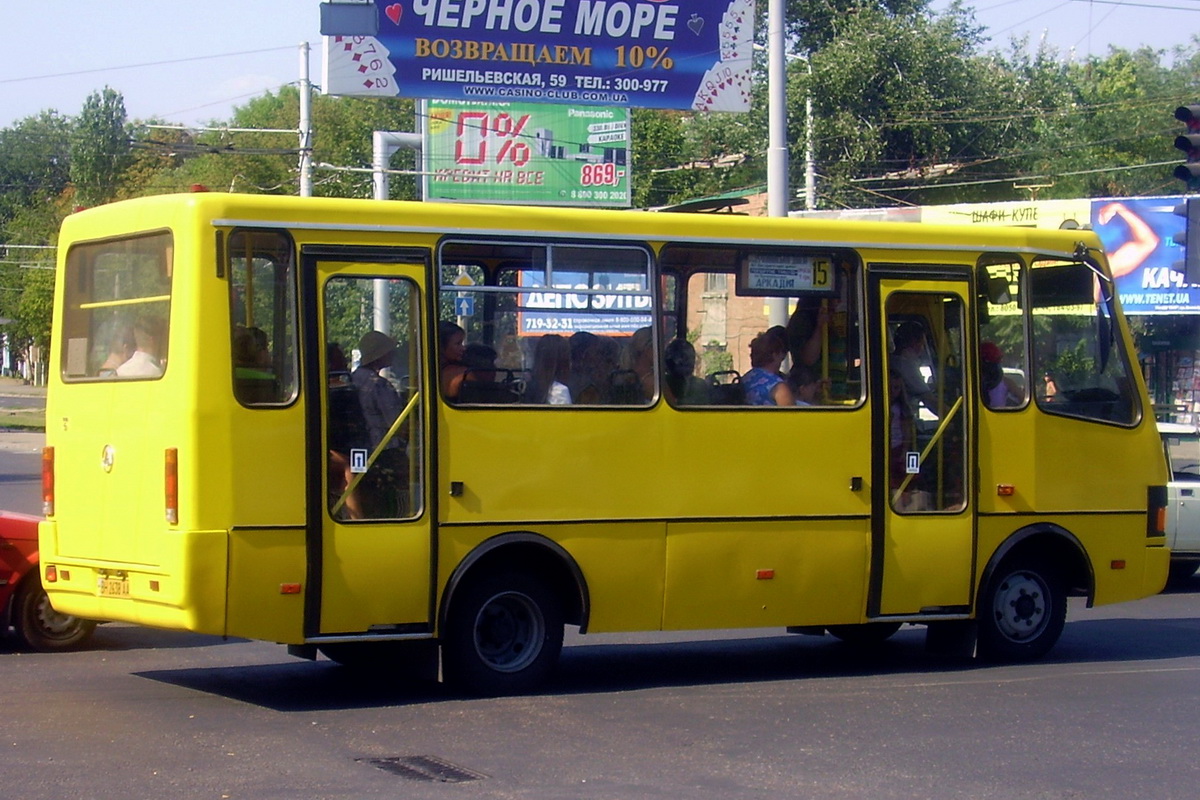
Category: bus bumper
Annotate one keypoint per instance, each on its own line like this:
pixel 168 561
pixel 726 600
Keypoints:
pixel 163 595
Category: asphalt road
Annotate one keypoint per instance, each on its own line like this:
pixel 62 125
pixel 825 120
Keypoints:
pixel 152 714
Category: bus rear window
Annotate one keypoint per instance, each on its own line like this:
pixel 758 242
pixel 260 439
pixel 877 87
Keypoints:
pixel 117 309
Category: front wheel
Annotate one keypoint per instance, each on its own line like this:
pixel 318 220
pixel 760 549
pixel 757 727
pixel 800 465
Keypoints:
pixel 1022 611
pixel 503 635
pixel 40 626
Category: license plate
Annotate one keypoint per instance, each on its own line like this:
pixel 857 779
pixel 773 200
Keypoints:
pixel 114 587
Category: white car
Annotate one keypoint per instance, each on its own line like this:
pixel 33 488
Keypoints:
pixel 1182 445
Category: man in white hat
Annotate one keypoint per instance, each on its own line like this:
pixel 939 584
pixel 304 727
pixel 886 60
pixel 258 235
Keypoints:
pixel 385 483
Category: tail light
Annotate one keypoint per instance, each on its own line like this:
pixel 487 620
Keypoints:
pixel 48 481
pixel 171 485
pixel 1156 511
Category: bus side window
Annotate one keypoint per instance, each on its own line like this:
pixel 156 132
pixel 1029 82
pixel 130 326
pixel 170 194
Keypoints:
pixel 559 324
pixel 262 310
pixel 1003 339
pixel 1086 373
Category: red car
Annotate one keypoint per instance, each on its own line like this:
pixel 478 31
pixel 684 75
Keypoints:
pixel 24 606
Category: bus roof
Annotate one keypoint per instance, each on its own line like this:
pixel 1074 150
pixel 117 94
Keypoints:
pixel 325 213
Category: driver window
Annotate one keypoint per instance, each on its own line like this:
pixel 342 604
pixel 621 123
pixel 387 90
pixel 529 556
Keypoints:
pixel 1077 357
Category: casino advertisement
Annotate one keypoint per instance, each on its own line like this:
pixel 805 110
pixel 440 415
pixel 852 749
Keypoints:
pixel 531 153
pixel 641 54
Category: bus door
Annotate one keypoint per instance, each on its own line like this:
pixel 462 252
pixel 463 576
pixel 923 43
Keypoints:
pixel 369 545
pixel 923 530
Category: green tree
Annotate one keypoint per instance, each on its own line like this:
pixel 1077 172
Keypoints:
pixel 33 163
pixel 100 147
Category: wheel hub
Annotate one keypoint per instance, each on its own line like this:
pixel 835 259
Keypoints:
pixel 509 632
pixel 1020 606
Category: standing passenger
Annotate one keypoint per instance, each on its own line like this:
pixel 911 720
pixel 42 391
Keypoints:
pixel 386 484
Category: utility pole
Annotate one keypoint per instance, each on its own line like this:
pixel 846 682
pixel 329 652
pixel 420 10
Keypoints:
pixel 777 153
pixel 306 182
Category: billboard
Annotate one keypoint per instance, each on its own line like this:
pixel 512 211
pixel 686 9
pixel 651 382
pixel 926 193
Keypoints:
pixel 532 153
pixel 1142 236
pixel 631 53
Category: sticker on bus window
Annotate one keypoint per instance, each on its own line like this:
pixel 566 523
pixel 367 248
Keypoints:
pixel 784 275
pixel 358 459
pixel 912 463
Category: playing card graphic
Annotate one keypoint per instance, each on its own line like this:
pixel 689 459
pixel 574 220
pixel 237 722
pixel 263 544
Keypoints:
pixel 358 65
pixel 726 85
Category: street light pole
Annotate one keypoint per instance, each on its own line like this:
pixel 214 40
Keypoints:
pixel 777 152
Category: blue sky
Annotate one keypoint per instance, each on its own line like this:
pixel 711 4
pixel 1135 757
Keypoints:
pixel 190 63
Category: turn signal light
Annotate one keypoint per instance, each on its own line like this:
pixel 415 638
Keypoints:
pixel 47 481
pixel 1005 489
pixel 171 481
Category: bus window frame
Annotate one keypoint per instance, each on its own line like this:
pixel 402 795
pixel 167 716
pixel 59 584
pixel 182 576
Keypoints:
pixel 227 272
pixel 1104 300
pixel 855 293
pixel 74 270
pixel 983 298
pixel 506 263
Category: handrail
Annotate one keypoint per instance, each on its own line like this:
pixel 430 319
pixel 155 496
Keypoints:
pixel 387 438
pixel 932 441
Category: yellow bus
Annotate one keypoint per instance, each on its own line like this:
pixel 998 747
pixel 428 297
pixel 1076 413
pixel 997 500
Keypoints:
pixel 436 434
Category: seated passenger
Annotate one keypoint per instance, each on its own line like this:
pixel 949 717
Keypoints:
pixel 764 385
pixel 251 354
pixel 479 362
pixel 120 350
pixel 451 340
pixel 149 334
pixel 551 369
pixel 640 360
pixel 998 391
pixel 805 385
pixel 683 386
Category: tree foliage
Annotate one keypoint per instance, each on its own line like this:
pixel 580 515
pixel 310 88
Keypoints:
pixel 100 148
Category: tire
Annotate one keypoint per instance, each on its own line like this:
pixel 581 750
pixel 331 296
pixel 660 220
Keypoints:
pixel 1022 611
pixel 865 635
pixel 1182 570
pixel 42 628
pixel 503 635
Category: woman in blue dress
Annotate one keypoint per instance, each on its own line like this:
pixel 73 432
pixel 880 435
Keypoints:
pixel 764 385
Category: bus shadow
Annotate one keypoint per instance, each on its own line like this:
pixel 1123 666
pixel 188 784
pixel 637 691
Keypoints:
pixel 300 686
pixel 112 637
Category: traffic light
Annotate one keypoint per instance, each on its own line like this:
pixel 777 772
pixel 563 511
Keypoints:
pixel 1189 143
pixel 1190 239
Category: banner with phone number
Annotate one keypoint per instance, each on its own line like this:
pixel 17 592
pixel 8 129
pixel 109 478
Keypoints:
pixel 631 53
pixel 526 153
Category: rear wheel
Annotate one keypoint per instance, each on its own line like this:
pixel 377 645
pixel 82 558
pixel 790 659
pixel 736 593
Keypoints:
pixel 40 626
pixel 503 635
pixel 1022 611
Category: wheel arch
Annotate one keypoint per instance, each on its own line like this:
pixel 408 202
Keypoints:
pixel 528 552
pixel 1055 543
